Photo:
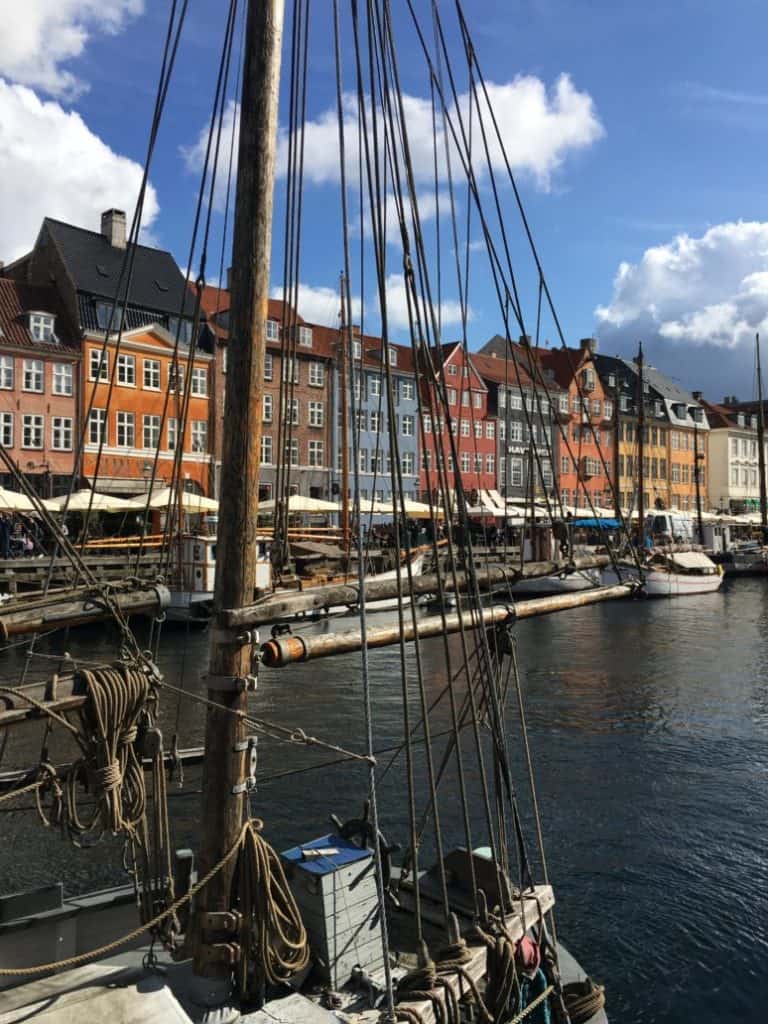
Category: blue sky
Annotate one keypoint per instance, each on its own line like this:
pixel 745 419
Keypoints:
pixel 656 165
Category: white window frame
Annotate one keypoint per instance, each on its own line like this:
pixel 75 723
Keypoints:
pixel 7 372
pixel 305 336
pixel 172 433
pixel 126 370
pixel 408 464
pixel 98 364
pixel 150 427
pixel 267 404
pixel 6 429
pixel 41 326
pixel 316 453
pixel 272 330
pixel 408 425
pixel 97 426
pixel 33 427
pixel 266 450
pixel 199 382
pixel 125 425
pixel 316 374
pixel 199 436
pixel 61 433
pixel 490 430
pixel 316 414
pixel 268 367
pixel 34 374
pixel 63 382
pixel 407 390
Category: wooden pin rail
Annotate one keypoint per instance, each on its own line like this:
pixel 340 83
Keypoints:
pixel 81 610
pixel 288 650
pixel 321 597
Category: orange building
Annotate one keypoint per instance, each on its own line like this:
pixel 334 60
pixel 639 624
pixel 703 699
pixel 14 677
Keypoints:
pixel 136 422
pixel 585 415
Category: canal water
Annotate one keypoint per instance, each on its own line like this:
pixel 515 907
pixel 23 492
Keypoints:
pixel 648 723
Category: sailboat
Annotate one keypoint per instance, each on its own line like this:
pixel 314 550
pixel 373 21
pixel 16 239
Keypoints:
pixel 304 933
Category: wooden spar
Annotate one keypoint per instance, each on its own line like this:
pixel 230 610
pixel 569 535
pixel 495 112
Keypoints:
pixel 230 660
pixel 56 613
pixel 761 443
pixel 288 650
pixel 19 777
pixel 318 598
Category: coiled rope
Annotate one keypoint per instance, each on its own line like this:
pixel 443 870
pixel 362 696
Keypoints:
pixel 583 999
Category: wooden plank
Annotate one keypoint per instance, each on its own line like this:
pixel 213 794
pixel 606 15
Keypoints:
pixel 475 967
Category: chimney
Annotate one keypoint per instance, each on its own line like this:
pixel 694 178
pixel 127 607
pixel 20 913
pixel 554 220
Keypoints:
pixel 525 340
pixel 696 396
pixel 355 330
pixel 588 345
pixel 113 227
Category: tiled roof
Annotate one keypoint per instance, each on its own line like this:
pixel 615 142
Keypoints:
pixel 563 362
pixel 95 265
pixel 511 371
pixel 17 298
pixel 720 415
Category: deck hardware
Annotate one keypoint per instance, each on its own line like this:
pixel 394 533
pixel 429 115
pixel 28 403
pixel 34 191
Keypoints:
pixel 227 921
pixel 248 785
pixel 217 954
pixel 280 629
pixel 225 683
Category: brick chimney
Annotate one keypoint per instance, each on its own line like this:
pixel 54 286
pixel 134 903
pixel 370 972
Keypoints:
pixel 113 227
pixel 588 345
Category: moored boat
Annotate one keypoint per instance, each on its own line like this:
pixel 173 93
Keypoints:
pixel 669 573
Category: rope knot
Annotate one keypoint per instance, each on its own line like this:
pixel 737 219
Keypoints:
pixel 110 777
pixel 129 735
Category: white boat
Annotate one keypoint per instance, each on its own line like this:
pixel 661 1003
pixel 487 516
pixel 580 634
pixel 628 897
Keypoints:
pixel 670 574
pixel 388 603
pixel 563 583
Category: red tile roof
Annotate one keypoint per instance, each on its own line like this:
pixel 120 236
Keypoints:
pixel 510 371
pixel 563 362
pixel 18 298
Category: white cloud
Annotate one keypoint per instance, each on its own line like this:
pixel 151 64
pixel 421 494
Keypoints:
pixel 397 305
pixel 319 305
pixel 52 164
pixel 38 36
pixel 540 128
pixel 711 290
pixel 194 154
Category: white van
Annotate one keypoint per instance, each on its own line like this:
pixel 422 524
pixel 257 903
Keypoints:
pixel 666 527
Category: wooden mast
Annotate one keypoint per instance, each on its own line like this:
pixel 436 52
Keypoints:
pixel 761 444
pixel 696 479
pixel 640 446
pixel 230 657
pixel 343 355
pixel 616 447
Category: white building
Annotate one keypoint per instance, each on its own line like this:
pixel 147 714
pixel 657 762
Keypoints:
pixel 734 480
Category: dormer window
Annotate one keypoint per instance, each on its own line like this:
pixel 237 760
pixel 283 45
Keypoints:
pixel 392 355
pixel 611 380
pixel 741 419
pixel 41 326
pixel 753 422
pixel 357 349
pixel 273 332
pixel 110 316
pixel 305 337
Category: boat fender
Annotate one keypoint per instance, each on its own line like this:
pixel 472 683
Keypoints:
pixel 528 956
pixel 530 989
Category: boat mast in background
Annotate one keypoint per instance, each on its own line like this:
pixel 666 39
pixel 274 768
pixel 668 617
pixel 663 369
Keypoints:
pixel 232 654
pixel 761 444
pixel 616 448
pixel 697 460
pixel 343 356
pixel 640 446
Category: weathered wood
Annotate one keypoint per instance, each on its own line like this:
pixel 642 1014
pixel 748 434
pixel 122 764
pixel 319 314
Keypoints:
pixel 288 650
pixel 224 765
pixel 80 611
pixel 14 779
pixel 526 913
pixel 321 597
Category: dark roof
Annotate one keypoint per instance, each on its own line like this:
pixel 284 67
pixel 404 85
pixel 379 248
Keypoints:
pixel 667 388
pixel 501 370
pixel 95 265
pixel 18 298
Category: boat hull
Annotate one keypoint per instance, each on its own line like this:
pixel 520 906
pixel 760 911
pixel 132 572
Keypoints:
pixel 658 583
pixel 582 579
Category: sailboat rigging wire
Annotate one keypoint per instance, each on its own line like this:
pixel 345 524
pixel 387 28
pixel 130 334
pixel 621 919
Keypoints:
pixel 364 662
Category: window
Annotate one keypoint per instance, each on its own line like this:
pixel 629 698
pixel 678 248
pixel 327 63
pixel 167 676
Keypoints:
pixel 126 370
pixel 291 367
pixel 97 426
pixel 62 378
pixel 6 372
pixel 199 436
pixel 451 396
pixel 316 414
pixel 316 453
pixel 391 355
pixel 110 315
pixel 427 423
pixel 266 409
pixel 293 410
pixel 362 457
pixel 449 463
pixel 375 422
pixel 178 328
pixel 199 381
pixel 150 432
pixel 362 419
pixel 516 472
pixel 478 463
pixel 176 378
pixel 33 375
pixel 6 429
pixel 490 430
pixel 675 472
pixel 377 461
pixel 408 463
pixel 596 406
pixel 734 476
pixel 408 426
pixel 316 375
pixel 292 451
pixel 452 370
pixel 305 337
pixel 516 431
pixel 465 399
pixel 465 428
pixel 268 364
pixel 490 463
pixel 608 409
pixel 478 428
pixel 173 433
pixel 563 403
pixel 374 385
pixel 32 431
pixel 151 370
pixel 465 462
pixel 273 331
pixel 126 430
pixel 502 430
pixel 565 463
pixel 406 390
pixel 477 399
pixel 41 327
pixel 98 364
pixel 676 443
pixel 266 450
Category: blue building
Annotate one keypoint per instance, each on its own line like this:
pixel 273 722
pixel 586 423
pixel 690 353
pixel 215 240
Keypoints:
pixel 369 378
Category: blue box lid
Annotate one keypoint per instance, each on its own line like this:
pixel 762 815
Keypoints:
pixel 349 853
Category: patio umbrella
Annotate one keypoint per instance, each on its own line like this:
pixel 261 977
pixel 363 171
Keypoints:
pixel 165 498
pixel 82 500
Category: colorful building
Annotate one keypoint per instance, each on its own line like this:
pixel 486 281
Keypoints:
pixel 734 465
pixel 459 431
pixel 145 411
pixel 585 414
pixel 39 387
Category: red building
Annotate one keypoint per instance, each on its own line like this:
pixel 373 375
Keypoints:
pixel 470 454
pixel 585 450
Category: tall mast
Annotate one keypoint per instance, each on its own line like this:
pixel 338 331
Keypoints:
pixel 640 444
pixel 696 463
pixel 616 445
pixel 230 654
pixel 761 444
pixel 343 354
